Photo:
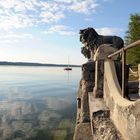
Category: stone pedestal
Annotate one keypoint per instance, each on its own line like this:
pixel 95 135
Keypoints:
pixel 99 72
pixel 100 56
pixel 87 84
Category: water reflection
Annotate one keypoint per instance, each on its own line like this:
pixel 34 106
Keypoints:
pixel 37 103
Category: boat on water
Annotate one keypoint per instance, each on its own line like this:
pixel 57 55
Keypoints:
pixel 68 68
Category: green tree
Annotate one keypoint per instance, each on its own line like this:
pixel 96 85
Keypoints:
pixel 132 35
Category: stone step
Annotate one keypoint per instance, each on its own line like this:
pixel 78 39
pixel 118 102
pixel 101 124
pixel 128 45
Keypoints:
pixel 133 87
pixel 83 132
pixel 133 96
pixel 96 104
pixel 133 91
pixel 101 126
pixel 133 84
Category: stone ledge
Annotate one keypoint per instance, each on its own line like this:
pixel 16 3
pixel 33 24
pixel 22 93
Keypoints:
pixel 101 126
pixel 83 132
pixel 122 111
pixel 96 104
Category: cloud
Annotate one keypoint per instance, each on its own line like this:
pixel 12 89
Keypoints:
pixel 109 31
pixel 26 13
pixel 16 13
pixel 60 29
pixel 8 41
pixel 107 0
pixel 11 38
pixel 83 6
pixel 17 36
pixel 51 16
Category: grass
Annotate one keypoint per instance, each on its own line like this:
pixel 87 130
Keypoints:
pixel 133 78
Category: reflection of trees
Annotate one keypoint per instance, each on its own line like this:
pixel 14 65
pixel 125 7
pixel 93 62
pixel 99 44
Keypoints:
pixel 18 134
pixel 28 121
pixel 42 135
pixel 70 112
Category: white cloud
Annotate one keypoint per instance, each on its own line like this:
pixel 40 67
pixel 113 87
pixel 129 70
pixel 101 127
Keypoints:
pixel 51 16
pixel 83 6
pixel 9 41
pixel 108 31
pixel 13 38
pixel 60 29
pixel 107 0
pixel 79 6
pixel 25 13
pixel 17 36
pixel 15 21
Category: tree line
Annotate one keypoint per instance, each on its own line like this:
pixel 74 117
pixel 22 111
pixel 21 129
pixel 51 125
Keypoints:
pixel 132 35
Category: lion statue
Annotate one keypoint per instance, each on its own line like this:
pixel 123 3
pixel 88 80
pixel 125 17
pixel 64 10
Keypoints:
pixel 92 40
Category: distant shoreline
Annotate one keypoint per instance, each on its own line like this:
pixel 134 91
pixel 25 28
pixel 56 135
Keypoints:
pixel 34 64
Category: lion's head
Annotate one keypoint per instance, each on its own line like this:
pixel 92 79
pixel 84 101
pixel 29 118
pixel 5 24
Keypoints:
pixel 88 36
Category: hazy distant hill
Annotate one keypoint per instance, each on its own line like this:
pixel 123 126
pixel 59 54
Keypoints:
pixel 35 64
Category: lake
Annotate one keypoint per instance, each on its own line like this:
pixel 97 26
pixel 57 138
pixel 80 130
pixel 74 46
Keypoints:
pixel 37 103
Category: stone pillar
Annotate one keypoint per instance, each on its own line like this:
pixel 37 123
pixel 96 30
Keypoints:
pixel 100 56
pixel 99 71
pixel 87 84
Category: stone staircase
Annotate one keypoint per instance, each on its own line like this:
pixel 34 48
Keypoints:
pixel 133 90
pixel 101 125
pixel 102 112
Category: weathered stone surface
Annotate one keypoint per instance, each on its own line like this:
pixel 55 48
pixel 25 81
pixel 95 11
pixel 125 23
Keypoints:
pixel 84 106
pixel 133 90
pixel 124 113
pixel 139 76
pixel 88 71
pixel 83 132
pixel 103 51
pixel 86 52
pixel 118 67
pixel 86 85
pixel 100 56
pixel 116 113
pixel 99 72
pixel 102 126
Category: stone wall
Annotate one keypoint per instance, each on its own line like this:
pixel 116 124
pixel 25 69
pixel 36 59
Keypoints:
pixel 83 127
pixel 124 113
pixel 100 94
pixel 100 56
pixel 86 85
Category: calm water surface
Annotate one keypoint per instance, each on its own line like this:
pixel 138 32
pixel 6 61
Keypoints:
pixel 37 103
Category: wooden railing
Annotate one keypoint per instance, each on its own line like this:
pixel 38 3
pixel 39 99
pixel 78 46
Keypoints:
pixel 123 52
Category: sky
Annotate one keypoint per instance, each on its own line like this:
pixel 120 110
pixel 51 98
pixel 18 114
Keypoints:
pixel 47 31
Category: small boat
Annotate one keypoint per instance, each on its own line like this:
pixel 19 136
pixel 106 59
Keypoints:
pixel 68 68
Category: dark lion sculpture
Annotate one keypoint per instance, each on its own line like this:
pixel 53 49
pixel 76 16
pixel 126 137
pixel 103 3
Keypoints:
pixel 92 40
